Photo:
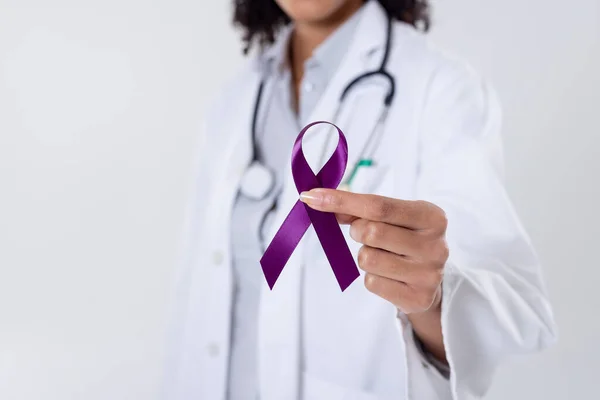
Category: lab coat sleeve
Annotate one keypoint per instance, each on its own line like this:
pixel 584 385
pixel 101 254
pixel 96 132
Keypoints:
pixel 187 252
pixel 494 302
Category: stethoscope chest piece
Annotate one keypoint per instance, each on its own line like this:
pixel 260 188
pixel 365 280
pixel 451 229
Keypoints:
pixel 257 181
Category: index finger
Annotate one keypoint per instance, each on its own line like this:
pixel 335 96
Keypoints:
pixel 405 213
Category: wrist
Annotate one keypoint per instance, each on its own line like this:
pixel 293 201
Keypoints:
pixel 427 327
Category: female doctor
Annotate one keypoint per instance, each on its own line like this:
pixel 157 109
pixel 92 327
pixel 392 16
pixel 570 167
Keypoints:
pixel 450 284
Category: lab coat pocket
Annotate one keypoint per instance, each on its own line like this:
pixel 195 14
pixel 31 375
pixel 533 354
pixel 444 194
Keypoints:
pixel 315 388
pixel 369 179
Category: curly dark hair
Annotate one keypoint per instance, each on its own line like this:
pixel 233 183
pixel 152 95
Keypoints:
pixel 261 19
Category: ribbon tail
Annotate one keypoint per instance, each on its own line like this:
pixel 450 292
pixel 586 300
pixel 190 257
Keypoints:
pixel 284 242
pixel 335 247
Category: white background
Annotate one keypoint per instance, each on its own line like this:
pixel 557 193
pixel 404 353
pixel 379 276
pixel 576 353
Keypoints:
pixel 99 104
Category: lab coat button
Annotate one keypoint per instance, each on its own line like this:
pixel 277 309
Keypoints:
pixel 213 349
pixel 217 258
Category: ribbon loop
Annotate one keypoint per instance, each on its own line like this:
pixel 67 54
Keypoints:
pixel 302 216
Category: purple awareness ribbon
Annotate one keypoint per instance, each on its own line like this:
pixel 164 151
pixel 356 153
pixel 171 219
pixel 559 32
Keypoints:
pixel 301 216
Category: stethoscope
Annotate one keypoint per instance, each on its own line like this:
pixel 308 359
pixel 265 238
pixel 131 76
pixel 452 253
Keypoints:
pixel 258 180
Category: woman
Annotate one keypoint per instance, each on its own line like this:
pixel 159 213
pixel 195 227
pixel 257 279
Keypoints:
pixel 451 285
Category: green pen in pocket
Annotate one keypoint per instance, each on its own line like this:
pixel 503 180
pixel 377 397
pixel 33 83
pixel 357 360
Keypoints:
pixel 364 162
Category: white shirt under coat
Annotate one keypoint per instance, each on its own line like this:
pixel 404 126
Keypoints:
pixel 441 144
pixel 277 128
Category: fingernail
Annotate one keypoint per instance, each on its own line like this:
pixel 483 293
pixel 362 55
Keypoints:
pixel 312 198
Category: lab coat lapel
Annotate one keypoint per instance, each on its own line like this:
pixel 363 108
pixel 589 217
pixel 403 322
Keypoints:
pixel 233 158
pixel 239 146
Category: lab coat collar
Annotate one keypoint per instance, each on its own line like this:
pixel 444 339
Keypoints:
pixel 371 31
pixel 274 57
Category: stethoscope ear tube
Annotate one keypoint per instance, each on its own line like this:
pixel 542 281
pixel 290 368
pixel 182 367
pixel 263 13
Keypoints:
pixel 254 122
pixel 389 97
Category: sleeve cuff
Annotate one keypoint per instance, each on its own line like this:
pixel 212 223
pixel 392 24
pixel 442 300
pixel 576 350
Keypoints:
pixel 424 380
pixel 428 358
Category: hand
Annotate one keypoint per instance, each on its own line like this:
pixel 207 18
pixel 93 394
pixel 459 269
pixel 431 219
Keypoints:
pixel 404 248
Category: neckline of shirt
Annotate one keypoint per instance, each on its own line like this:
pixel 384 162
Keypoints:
pixel 326 56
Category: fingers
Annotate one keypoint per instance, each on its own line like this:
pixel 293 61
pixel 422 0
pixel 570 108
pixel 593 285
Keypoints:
pixel 389 265
pixel 387 237
pixel 405 297
pixel 409 214
pixel 424 246
pixel 345 219
pixel 404 250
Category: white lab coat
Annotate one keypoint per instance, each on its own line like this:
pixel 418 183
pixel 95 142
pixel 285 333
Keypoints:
pixel 442 144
